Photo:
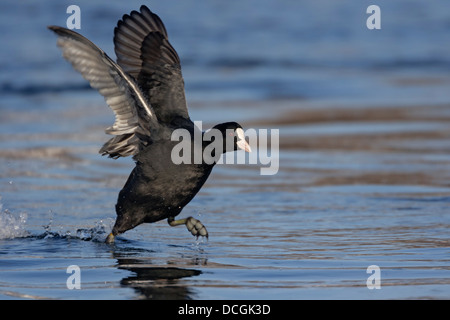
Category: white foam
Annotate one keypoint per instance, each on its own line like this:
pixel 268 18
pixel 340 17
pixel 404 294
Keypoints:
pixel 12 225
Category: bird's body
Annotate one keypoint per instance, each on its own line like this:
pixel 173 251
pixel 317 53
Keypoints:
pixel 145 89
pixel 159 189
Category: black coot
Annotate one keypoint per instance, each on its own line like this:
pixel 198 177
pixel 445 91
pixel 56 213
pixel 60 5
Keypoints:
pixel 145 89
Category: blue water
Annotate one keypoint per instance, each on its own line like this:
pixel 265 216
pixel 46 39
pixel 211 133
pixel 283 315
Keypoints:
pixel 351 191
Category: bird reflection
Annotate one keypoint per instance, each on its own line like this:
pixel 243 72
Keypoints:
pixel 156 282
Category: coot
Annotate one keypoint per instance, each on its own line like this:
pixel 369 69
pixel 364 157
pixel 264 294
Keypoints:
pixel 145 89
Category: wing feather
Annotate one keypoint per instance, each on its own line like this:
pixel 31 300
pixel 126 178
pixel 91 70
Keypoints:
pixel 134 116
pixel 144 52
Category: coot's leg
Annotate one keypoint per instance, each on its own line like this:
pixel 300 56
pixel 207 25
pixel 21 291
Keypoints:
pixel 110 238
pixel 193 225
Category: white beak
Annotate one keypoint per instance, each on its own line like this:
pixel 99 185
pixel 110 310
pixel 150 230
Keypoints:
pixel 241 143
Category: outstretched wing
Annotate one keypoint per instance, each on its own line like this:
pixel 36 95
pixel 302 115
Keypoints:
pixel 135 119
pixel 144 52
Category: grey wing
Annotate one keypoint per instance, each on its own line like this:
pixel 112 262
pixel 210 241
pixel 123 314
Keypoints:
pixel 134 117
pixel 144 52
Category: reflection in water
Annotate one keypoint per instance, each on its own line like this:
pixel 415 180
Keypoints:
pixel 156 282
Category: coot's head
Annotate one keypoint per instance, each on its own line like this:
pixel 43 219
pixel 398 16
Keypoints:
pixel 233 137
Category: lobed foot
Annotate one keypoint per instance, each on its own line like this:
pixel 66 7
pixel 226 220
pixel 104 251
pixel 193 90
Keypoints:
pixel 195 227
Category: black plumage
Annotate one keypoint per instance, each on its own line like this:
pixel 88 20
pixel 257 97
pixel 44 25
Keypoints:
pixel 145 89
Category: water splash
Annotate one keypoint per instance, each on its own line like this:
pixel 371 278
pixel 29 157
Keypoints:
pixel 97 233
pixel 12 225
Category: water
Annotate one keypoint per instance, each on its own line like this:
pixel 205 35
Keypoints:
pixel 364 156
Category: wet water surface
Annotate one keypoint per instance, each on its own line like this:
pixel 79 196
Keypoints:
pixel 310 231
pixel 363 179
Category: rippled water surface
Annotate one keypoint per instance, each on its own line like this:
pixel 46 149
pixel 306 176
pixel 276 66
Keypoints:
pixel 364 159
